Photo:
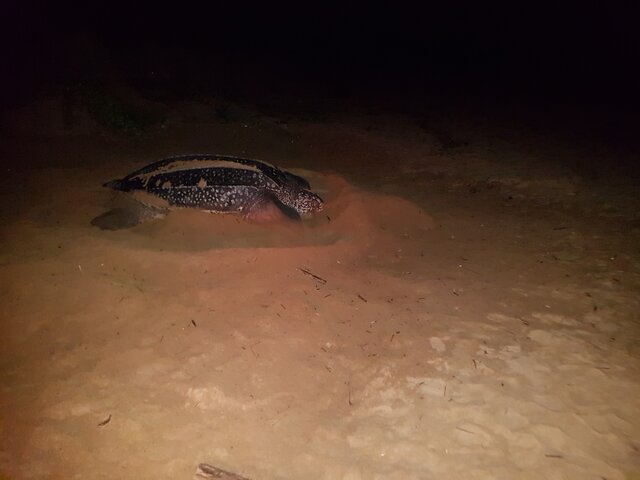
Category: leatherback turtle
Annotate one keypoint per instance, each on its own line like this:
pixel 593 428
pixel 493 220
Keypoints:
pixel 215 183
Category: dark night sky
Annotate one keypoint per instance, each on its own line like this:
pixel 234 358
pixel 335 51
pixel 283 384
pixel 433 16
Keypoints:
pixel 528 54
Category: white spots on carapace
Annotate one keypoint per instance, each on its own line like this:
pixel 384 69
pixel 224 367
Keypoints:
pixel 180 165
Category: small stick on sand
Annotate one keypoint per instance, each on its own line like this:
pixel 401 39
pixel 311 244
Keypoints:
pixel 465 430
pixel 209 471
pixel 362 298
pixel 307 272
pixel 104 422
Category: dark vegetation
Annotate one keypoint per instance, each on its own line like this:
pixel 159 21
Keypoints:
pixel 567 75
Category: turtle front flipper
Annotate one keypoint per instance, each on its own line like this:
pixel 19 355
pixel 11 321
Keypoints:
pixel 266 208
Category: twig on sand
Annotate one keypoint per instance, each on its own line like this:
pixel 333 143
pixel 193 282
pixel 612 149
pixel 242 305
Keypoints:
pixel 307 272
pixel 104 422
pixel 553 455
pixel 193 322
pixel 209 471
pixel 465 430
pixel 349 387
pixel 362 298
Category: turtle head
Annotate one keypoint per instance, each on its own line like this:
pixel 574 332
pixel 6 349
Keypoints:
pixel 307 202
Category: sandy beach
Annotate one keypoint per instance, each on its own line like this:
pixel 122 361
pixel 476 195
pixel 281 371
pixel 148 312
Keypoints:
pixel 454 313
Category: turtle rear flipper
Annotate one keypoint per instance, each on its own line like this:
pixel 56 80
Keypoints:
pixel 122 218
pixel 267 208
